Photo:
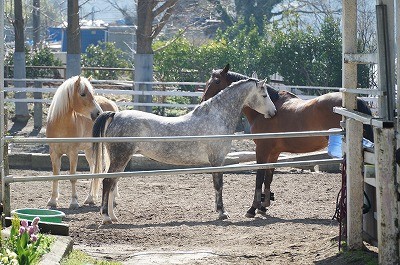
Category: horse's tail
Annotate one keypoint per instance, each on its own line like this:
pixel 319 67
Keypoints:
pixel 363 107
pixel 99 128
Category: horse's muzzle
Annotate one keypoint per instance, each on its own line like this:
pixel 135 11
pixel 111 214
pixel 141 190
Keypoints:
pixel 94 114
pixel 270 114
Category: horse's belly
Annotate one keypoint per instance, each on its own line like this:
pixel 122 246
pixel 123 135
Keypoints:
pixel 184 153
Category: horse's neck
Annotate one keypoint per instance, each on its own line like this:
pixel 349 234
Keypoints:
pixel 250 114
pixel 68 118
pixel 230 104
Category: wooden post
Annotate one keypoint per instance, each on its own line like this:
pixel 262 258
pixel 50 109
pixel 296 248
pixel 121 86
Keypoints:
pixel 353 139
pixel 37 107
pixel 386 196
pixel 5 151
pixel 349 72
pixel 354 183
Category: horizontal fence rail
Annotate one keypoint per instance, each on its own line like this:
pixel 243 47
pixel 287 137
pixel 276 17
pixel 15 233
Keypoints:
pixel 35 140
pixel 229 168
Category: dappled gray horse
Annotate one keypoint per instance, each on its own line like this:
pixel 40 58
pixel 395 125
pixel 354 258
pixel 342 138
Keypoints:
pixel 216 116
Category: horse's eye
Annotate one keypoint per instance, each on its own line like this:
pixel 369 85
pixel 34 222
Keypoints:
pixel 83 95
pixel 265 96
pixel 217 81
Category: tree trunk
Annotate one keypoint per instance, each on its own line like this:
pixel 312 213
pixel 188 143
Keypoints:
pixel 73 40
pixel 21 109
pixel 144 27
pixel 36 23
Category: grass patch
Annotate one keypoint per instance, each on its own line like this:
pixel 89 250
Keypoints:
pixel 77 257
pixel 361 257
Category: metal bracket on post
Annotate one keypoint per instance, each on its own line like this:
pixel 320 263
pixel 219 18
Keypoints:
pixel 386 64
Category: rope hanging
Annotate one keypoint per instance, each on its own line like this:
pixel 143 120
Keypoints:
pixel 341 207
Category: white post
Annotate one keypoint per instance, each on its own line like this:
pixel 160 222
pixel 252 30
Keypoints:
pixel 386 196
pixel 354 183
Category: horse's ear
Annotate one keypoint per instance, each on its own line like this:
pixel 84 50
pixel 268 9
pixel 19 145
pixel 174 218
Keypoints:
pixel 226 69
pixel 90 78
pixel 262 83
pixel 77 83
pixel 254 75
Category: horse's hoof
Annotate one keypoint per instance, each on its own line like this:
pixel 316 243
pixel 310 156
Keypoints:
pixel 107 220
pixel 223 216
pixel 74 206
pixel 262 211
pixel 251 213
pixel 89 200
pixel 52 204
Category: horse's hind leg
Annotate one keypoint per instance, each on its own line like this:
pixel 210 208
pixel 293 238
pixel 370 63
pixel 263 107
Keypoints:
pixel 56 165
pixel 120 155
pixel 94 183
pixel 257 194
pixel 219 205
pixel 107 207
pixel 73 161
pixel 111 201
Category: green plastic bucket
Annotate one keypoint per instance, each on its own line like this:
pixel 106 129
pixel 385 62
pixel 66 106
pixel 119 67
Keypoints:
pixel 46 215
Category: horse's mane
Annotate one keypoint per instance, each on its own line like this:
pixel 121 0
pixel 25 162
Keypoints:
pixel 61 100
pixel 234 77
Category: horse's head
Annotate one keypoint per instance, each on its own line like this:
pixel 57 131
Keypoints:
pixel 82 99
pixel 105 105
pixel 217 82
pixel 260 100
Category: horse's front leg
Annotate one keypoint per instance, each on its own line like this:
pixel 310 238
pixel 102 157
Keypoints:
pixel 257 194
pixel 269 196
pixel 56 165
pixel 73 162
pixel 219 205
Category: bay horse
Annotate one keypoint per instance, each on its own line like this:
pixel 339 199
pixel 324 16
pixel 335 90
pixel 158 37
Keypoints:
pixel 217 116
pixel 293 114
pixel 71 114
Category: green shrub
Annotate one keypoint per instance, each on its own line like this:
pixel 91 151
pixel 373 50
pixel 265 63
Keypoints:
pixel 105 54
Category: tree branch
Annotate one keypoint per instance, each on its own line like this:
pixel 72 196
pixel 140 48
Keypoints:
pixel 167 5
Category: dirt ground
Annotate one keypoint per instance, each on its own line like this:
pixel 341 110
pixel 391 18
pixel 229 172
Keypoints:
pixel 171 219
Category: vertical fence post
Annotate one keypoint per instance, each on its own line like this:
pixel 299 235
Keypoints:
pixel 354 183
pixel 386 195
pixel 397 34
pixel 2 97
pixel 37 107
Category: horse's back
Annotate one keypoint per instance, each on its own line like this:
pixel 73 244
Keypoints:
pixel 106 104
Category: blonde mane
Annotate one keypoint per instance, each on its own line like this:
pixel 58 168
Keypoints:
pixel 61 100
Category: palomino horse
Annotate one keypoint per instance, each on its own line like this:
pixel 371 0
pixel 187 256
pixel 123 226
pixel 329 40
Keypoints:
pixel 217 116
pixel 71 114
pixel 293 114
